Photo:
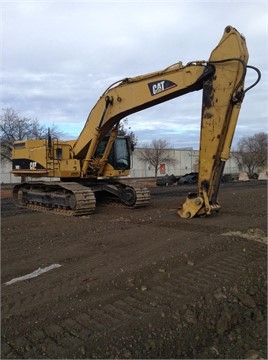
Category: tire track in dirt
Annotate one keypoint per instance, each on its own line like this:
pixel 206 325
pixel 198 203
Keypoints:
pixel 173 288
pixel 69 279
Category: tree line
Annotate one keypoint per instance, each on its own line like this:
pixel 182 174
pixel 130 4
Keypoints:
pixel 250 153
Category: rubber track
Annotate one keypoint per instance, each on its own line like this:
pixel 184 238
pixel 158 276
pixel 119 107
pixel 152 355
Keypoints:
pixel 85 199
pixel 142 196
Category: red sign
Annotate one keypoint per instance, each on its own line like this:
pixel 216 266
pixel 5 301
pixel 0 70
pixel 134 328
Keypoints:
pixel 162 168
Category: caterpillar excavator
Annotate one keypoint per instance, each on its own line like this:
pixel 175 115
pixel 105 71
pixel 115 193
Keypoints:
pixel 97 161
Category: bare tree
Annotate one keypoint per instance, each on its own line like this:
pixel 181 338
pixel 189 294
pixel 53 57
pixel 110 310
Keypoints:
pixel 156 154
pixel 251 152
pixel 15 127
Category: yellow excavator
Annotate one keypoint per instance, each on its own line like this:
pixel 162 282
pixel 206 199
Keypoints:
pixel 96 162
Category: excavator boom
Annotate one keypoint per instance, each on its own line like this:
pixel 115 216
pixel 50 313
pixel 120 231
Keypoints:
pixel 135 94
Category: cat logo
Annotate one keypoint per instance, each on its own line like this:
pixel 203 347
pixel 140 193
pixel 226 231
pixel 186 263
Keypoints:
pixel 160 86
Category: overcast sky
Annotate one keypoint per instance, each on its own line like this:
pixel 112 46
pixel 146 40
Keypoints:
pixel 58 57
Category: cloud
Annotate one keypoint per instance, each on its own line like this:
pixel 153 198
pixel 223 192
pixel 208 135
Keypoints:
pixel 58 57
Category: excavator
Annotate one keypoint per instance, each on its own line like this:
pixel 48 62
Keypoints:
pixel 96 162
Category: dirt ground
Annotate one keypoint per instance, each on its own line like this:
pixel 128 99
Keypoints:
pixel 138 283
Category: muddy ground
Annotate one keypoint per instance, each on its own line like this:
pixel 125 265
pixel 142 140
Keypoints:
pixel 138 283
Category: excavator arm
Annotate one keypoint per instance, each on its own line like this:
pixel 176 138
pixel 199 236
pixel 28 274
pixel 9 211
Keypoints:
pixel 222 98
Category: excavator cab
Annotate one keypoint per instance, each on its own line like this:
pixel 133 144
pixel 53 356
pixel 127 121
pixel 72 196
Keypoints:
pixel 120 155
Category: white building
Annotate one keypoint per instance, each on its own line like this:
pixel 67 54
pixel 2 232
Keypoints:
pixel 185 161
